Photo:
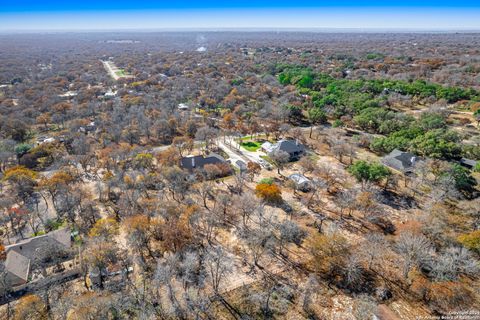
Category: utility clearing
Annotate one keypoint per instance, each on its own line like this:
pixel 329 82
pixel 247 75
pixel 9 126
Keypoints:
pixel 115 72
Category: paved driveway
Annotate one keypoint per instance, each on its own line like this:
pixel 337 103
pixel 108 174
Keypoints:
pixel 232 153
pixel 242 154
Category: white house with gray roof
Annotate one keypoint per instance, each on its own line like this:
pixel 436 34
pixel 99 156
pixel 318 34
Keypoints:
pixel 294 148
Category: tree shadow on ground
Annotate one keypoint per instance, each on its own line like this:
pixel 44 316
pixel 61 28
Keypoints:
pixel 396 201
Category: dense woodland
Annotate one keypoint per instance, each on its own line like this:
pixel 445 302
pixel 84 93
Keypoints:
pixel 153 240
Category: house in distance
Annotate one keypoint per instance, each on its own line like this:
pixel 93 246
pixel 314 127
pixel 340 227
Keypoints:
pixel 183 107
pixel 403 162
pixel 468 163
pixel 198 162
pixel 294 148
pixel 212 166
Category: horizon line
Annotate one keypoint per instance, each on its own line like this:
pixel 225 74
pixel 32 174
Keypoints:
pixel 249 29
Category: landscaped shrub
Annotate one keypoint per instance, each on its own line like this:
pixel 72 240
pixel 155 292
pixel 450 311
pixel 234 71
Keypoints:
pixel 269 192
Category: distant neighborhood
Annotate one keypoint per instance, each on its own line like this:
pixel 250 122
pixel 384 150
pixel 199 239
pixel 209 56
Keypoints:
pixel 239 175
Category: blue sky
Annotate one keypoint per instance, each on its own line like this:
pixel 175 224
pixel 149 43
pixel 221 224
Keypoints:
pixel 65 5
pixel 149 14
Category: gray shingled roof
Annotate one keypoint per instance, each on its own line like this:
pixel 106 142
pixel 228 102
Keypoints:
pixel 30 247
pixel 290 146
pixel 18 267
pixel 21 254
pixel 399 160
pixel 299 178
pixel 301 181
pixel 62 236
pixel 198 162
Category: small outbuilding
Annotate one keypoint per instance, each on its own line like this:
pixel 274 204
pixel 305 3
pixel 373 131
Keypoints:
pixel 301 182
pixel 468 163
pixel 42 140
pixel 91 127
pixel 241 165
pixel 68 95
pixel 183 107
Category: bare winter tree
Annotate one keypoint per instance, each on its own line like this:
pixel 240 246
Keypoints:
pixel 346 199
pixel 176 181
pixel 163 277
pixel 452 263
pixel 374 249
pixel 340 149
pixel 280 158
pixel 272 299
pixel 199 305
pixel 208 135
pixel 245 205
pixel 218 265
pixel 207 223
pixel 307 164
pixel 331 175
pixel 191 270
pixel 290 232
pixel 415 250
pixel 353 273
pixel 259 241
pixel 205 191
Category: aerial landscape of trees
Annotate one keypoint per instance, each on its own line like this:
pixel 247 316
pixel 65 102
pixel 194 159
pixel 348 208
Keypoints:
pixel 251 179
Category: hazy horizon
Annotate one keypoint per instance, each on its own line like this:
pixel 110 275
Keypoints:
pixel 252 29
pixel 53 15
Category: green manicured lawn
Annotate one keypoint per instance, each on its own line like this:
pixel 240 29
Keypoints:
pixel 251 145
pixel 249 137
pixel 120 73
